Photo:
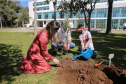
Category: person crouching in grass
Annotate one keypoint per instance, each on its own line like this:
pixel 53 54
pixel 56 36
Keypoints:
pixel 86 40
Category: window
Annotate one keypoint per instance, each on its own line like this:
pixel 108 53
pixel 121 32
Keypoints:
pixel 52 16
pixel 37 9
pixel 123 12
pixel 115 12
pixel 39 16
pixel 46 16
pixel 44 8
pixel 44 22
pixel 61 15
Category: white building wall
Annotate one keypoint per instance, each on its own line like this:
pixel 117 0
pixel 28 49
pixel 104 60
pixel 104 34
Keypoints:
pixel 31 12
pixel 51 8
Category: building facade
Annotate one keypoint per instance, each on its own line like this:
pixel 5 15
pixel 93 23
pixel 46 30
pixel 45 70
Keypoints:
pixel 45 13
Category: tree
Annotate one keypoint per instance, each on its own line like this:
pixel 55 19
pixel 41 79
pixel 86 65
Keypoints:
pixel 110 4
pixel 23 16
pixel 9 12
pixel 35 20
pixel 84 6
pixel 2 4
pixel 54 3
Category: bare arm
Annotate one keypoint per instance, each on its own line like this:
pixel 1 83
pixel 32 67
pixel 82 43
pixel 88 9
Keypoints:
pixel 82 44
pixel 86 46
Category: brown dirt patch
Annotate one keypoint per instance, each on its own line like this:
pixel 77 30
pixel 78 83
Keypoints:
pixel 84 72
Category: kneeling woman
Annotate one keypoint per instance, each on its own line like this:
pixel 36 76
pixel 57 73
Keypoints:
pixel 37 55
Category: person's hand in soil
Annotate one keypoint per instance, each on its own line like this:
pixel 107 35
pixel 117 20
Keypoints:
pixel 56 61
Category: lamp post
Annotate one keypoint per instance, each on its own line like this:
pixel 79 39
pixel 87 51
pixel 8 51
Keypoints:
pixel 54 3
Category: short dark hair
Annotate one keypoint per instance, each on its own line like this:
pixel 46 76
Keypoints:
pixel 79 26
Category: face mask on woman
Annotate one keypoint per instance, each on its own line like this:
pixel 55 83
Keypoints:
pixel 80 32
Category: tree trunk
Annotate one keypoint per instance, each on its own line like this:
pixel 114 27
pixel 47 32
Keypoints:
pixel 54 3
pixel 109 17
pixel 11 23
pixel 89 22
pixel 1 24
pixel 35 21
pixel 0 21
pixel 23 23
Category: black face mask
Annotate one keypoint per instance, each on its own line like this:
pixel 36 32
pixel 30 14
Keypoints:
pixel 80 32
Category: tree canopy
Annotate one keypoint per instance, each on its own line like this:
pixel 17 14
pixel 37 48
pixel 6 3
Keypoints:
pixel 83 6
pixel 10 10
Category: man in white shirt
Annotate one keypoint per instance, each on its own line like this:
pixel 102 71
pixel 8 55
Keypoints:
pixel 86 40
pixel 124 25
pixel 60 38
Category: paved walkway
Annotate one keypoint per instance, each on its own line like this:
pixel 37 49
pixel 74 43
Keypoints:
pixel 38 29
pixel 117 31
pixel 18 30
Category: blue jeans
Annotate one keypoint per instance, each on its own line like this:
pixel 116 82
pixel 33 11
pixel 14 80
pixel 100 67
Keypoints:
pixel 124 28
pixel 72 45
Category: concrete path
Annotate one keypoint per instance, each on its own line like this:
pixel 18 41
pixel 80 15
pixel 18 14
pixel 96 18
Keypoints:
pixel 38 29
pixel 117 31
pixel 18 30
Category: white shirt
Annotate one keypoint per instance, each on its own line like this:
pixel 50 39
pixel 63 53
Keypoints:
pixel 60 35
pixel 85 38
pixel 124 24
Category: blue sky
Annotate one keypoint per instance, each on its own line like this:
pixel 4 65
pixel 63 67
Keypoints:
pixel 24 3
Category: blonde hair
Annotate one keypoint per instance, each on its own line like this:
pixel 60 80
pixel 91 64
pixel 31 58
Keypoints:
pixel 52 28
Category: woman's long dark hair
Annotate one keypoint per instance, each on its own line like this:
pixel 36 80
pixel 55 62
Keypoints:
pixel 52 28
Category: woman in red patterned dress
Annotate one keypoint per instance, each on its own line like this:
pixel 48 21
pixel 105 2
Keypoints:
pixel 37 55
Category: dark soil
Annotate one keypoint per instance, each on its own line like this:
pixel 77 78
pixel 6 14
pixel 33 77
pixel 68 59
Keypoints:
pixel 84 72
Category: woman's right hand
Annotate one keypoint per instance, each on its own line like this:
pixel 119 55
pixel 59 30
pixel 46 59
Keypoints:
pixel 56 61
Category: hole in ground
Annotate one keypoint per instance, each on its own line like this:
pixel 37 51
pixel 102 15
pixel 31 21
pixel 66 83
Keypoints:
pixel 115 76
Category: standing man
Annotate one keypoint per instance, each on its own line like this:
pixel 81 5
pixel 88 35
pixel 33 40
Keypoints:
pixel 124 25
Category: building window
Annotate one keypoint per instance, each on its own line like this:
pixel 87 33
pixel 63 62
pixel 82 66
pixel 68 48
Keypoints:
pixel 42 8
pixel 61 15
pixel 44 22
pixel 37 9
pixel 39 16
pixel 52 16
pixel 46 16
pixel 41 3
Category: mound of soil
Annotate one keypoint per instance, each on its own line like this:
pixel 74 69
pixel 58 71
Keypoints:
pixel 84 72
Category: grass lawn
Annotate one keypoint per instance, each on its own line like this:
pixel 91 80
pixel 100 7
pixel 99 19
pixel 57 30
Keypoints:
pixel 14 45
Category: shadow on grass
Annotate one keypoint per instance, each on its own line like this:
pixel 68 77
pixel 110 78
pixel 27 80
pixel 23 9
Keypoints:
pixel 111 43
pixel 10 59
pixel 106 44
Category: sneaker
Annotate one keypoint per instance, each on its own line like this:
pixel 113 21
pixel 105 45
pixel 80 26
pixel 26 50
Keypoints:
pixel 54 53
pixel 94 55
pixel 60 50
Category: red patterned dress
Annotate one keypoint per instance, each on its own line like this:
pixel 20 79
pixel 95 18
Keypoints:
pixel 37 55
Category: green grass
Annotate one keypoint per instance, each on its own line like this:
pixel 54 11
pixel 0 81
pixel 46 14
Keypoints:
pixel 14 45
